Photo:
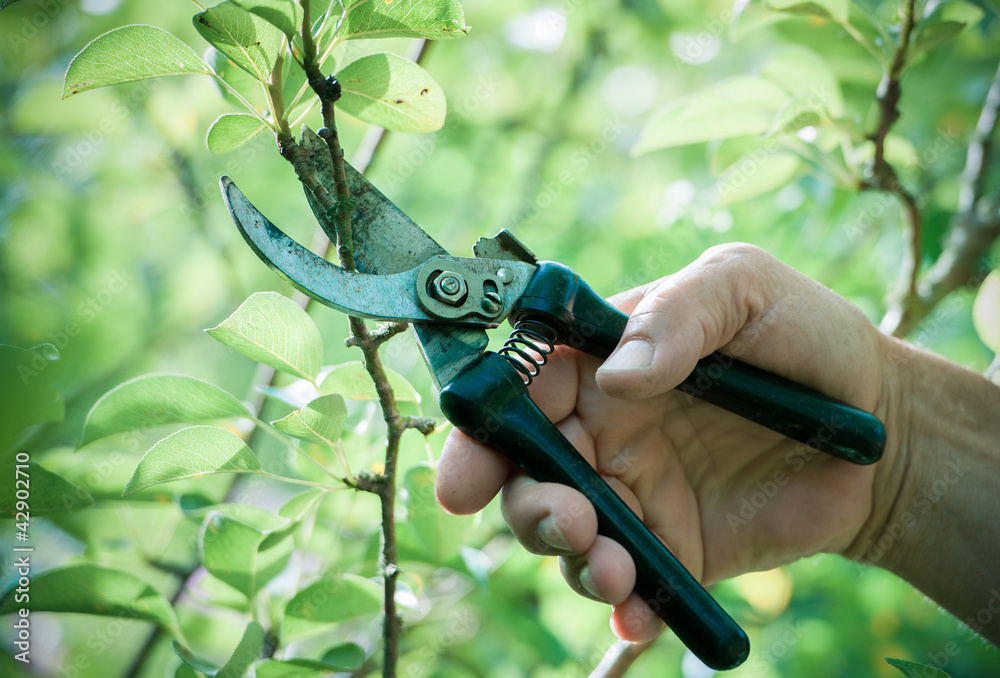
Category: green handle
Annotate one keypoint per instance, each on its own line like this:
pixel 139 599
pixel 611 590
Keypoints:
pixel 489 402
pixel 581 318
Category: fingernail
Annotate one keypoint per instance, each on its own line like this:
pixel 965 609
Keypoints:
pixel 636 354
pixel 586 580
pixel 549 532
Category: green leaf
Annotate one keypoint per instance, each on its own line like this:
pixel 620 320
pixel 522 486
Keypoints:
pixel 232 551
pixel 734 107
pixel 320 422
pixel 296 668
pixel 285 15
pixel 191 660
pixel 27 395
pixel 185 671
pixel 433 19
pixel 802 72
pixel 388 90
pixel 244 83
pixel 943 23
pixel 346 656
pixel 94 589
pixel 797 113
pixel 246 652
pixel 127 54
pixel 831 9
pixel 352 382
pixel 934 35
pixel 191 452
pixel 331 600
pixel 295 508
pixel 232 130
pixel 915 670
pixel 441 534
pixel 274 330
pixel 158 400
pixel 756 173
pixel 248 40
pixel 986 311
pixel 50 492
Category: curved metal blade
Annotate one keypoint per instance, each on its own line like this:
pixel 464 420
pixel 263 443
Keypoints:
pixel 383 297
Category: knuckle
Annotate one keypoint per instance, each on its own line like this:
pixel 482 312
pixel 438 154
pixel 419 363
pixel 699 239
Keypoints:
pixel 735 254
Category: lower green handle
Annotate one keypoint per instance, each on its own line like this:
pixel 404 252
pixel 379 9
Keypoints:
pixel 489 402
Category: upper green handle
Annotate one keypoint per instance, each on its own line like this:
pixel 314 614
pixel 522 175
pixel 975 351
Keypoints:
pixel 559 298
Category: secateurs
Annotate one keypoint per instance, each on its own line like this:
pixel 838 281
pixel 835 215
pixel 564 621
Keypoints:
pixel 404 275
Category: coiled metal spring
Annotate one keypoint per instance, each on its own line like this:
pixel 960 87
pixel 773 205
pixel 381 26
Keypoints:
pixel 528 347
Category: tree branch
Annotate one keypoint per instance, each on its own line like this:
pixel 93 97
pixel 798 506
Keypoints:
pixel 618 659
pixel 337 208
pixel 973 229
pixel 883 174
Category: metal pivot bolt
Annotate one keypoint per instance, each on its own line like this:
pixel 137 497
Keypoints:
pixel 449 288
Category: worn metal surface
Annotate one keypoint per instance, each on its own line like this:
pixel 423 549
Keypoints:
pixel 369 296
pixel 385 239
pixel 503 246
pixel 384 297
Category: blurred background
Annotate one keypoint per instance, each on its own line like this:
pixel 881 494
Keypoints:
pixel 116 249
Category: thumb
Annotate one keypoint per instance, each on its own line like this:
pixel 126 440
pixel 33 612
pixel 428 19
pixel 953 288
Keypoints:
pixel 683 318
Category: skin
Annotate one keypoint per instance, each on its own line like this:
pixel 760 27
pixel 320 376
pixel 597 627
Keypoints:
pixel 687 468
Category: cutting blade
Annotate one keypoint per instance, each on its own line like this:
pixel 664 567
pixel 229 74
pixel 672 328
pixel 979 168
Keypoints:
pixel 382 297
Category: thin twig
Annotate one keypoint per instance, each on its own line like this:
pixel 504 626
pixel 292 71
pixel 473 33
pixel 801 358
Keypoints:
pixel 883 174
pixel 337 208
pixel 973 229
pixel 618 659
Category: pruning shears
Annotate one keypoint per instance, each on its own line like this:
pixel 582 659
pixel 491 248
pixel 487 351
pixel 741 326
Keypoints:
pixel 404 275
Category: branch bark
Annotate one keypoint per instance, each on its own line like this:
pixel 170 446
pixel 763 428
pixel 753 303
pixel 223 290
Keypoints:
pixel 883 175
pixel 973 229
pixel 336 207
pixel 266 375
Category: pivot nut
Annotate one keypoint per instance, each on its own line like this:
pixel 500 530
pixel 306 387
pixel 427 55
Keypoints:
pixel 449 288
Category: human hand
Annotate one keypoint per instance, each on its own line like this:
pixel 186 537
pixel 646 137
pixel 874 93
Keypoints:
pixel 726 495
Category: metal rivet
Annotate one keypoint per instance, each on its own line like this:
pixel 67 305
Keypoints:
pixel 505 276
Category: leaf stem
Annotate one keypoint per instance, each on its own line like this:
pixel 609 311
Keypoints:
pixel 239 97
pixel 863 41
pixel 298 481
pixel 273 432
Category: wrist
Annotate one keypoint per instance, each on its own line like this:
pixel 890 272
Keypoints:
pixel 878 541
pixel 934 495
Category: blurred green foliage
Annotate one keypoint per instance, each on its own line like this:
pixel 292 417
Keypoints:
pixel 115 248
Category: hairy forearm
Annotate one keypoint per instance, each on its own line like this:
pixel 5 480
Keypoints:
pixel 937 501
